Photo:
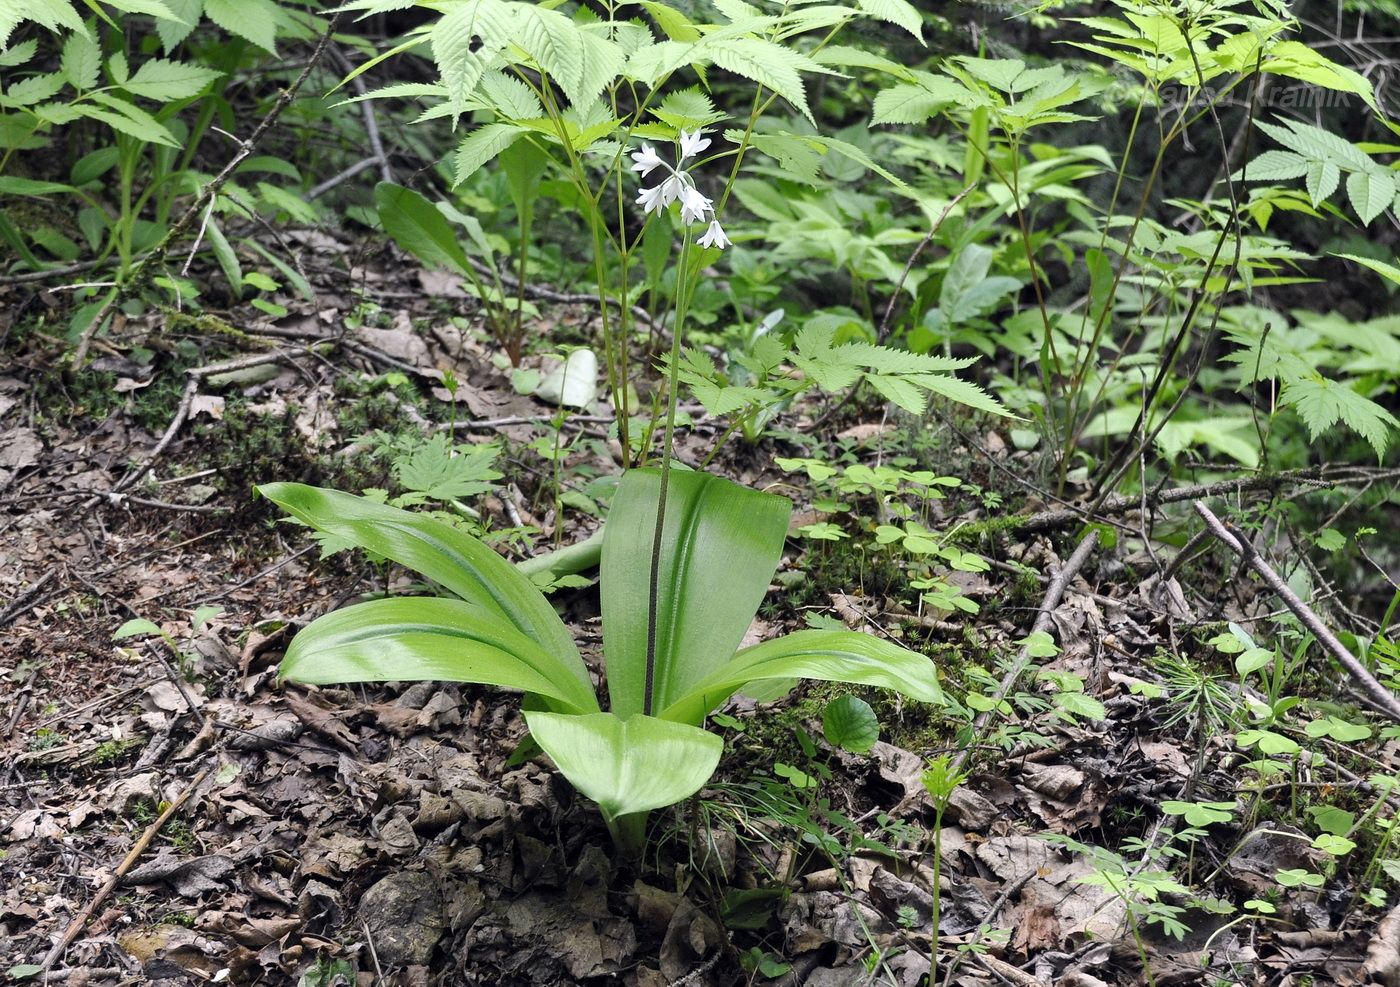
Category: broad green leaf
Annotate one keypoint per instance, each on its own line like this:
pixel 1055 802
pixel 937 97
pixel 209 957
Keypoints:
pixel 1370 192
pixel 14 185
pixel 898 12
pixel 415 639
pixel 627 765
pixel 483 144
pixel 1267 741
pixel 164 80
pixel 465 42
pixel 848 722
pixel 719 548
pixel 252 20
pixel 448 556
pixel 81 62
pixel 418 227
pixel 831 656
pixel 1322 402
pixel 1338 729
pixel 135 626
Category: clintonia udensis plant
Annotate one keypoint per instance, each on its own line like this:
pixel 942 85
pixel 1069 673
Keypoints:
pixel 687 556
pixel 673 621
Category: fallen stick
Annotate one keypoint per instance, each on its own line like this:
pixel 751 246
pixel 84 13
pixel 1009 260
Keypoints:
pixel 77 925
pixel 1049 520
pixel 1053 594
pixel 1241 546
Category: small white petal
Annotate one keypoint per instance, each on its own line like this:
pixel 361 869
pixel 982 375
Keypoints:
pixel 673 188
pixel 694 205
pixel 693 143
pixel 646 160
pixel 653 199
pixel 714 236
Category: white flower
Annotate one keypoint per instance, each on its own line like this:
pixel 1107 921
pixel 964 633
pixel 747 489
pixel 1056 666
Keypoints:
pixel 693 143
pixel 653 199
pixel 714 236
pixel 673 188
pixel 694 205
pixel 647 159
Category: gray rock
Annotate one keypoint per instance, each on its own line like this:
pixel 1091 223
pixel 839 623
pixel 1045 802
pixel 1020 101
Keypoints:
pixel 405 916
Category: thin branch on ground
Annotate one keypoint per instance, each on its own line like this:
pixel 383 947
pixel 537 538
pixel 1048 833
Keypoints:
pixel 1237 542
pixel 1312 476
pixel 1053 594
pixel 81 920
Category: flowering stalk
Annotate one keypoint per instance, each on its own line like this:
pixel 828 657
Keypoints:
pixel 679 186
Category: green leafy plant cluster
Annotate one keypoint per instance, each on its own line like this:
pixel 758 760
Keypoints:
pixel 668 664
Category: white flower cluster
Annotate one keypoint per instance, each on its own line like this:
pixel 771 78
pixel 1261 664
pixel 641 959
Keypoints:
pixel 680 187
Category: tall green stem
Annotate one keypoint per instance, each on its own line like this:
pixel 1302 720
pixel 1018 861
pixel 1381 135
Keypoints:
pixel 683 279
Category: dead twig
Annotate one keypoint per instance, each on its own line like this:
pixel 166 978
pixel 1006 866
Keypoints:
pixel 1053 594
pixel 77 925
pixel 1313 476
pixel 1236 541
pixel 18 604
pixel 693 977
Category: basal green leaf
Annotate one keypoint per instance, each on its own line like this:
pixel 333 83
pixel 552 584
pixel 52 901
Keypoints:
pixel 14 185
pixel 414 639
pixel 448 556
pixel 631 764
pixel 720 546
pixel 831 656
pixel 848 722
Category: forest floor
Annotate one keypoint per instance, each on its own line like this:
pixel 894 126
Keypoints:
pixel 175 815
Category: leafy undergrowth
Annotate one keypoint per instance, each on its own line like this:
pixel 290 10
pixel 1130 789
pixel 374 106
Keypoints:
pixel 1178 790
